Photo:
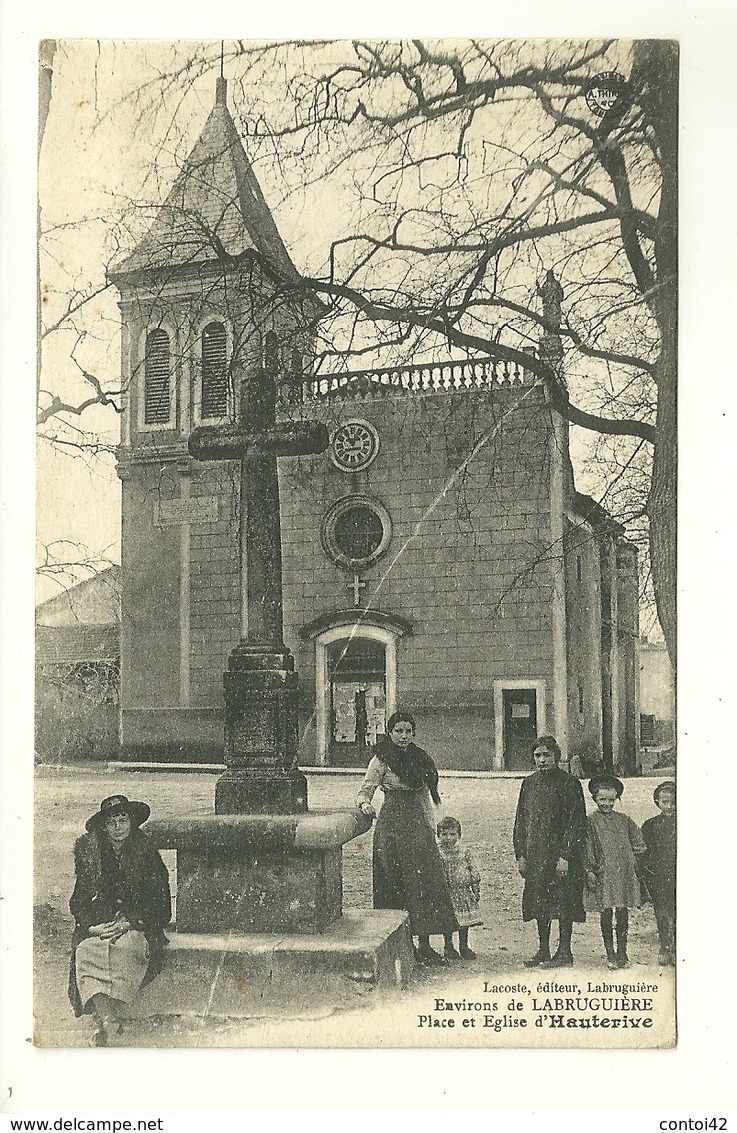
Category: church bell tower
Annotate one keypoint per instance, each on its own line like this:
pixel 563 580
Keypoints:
pixel 208 296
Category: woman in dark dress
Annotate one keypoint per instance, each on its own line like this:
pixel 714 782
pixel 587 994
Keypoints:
pixel 121 904
pixel 549 835
pixel 408 872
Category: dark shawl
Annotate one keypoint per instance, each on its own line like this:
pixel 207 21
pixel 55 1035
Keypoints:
pixel 135 886
pixel 410 764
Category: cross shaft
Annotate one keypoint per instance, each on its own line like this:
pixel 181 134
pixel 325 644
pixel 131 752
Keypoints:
pixel 257 449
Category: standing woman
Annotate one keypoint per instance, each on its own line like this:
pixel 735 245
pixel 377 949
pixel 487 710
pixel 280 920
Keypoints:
pixel 408 873
pixel 549 833
pixel 121 904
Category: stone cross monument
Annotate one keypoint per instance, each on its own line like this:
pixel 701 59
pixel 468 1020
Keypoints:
pixel 261 864
pixel 260 686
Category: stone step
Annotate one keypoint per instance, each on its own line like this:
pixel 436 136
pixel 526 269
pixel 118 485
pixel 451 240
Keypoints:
pixel 262 975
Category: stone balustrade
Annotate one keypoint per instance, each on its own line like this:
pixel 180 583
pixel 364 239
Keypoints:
pixel 446 377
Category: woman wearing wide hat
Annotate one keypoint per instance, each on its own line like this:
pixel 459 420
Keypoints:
pixel 121 904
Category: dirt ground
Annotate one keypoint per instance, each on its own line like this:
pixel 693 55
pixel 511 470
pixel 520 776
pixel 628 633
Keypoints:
pixel 485 806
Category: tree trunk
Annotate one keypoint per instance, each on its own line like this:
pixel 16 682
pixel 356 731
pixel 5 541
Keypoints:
pixel 655 71
pixel 662 506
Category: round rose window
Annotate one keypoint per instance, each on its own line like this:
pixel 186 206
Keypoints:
pixel 356 531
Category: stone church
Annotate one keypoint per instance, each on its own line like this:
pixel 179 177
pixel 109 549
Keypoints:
pixel 436 556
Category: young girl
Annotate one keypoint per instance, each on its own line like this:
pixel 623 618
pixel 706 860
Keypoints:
pixel 613 843
pixel 660 868
pixel 464 883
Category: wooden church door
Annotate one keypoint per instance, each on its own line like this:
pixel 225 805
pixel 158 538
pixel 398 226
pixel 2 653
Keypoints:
pixel 520 727
pixel 357 673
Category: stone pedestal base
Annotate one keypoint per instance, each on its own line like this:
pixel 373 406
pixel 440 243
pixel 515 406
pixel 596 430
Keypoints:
pixel 261 692
pixel 246 873
pixel 238 793
pixel 259 976
pixel 267 892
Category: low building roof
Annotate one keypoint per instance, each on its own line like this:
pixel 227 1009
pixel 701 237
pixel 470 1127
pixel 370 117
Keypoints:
pixel 588 509
pixel 93 602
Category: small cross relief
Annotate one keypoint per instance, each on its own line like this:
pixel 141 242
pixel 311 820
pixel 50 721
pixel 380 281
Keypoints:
pixel 357 586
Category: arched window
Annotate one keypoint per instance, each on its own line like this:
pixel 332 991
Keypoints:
pixel 214 371
pixel 272 357
pixel 291 382
pixel 157 394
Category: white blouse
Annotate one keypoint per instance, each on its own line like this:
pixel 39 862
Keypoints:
pixel 380 776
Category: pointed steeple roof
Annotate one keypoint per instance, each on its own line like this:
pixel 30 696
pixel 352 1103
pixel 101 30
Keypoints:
pixel 214 210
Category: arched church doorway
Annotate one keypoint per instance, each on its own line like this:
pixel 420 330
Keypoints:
pixel 357 695
pixel 355 682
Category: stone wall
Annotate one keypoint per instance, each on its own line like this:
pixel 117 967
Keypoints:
pixel 162 719
pixel 583 637
pixel 467 565
pixel 628 632
pixel 465 480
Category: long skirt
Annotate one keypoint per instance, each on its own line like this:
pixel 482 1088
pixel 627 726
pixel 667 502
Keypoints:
pixel 408 873
pixel 546 897
pixel 114 968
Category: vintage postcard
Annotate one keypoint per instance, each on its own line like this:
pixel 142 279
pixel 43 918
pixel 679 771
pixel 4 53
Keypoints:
pixel 356 633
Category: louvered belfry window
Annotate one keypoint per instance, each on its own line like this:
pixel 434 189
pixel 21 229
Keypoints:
pixel 214 371
pixel 158 379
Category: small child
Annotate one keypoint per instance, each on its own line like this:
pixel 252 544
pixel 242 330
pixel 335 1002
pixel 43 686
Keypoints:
pixel 464 883
pixel 613 844
pixel 659 868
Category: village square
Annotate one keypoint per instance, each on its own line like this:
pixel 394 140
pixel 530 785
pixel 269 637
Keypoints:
pixel 486 807
pixel 361 588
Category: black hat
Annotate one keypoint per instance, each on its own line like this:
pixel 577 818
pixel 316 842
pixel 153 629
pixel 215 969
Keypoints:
pixel 606 781
pixel 668 785
pixel 118 804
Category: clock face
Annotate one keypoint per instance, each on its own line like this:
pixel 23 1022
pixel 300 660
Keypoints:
pixel 354 446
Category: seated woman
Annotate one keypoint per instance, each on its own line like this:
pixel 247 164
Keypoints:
pixel 121 904
pixel 408 872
